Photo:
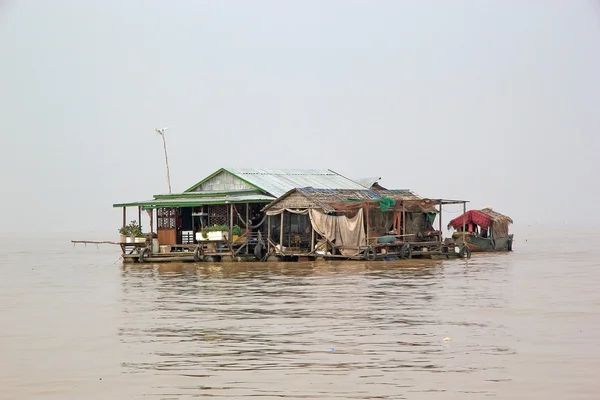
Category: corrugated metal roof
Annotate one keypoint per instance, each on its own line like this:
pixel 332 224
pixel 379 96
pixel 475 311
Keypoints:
pixel 323 198
pixel 398 194
pixel 279 181
pixel 189 201
pixel 368 182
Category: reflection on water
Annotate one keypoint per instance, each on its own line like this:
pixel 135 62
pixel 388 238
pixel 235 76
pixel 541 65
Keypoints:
pixel 520 325
pixel 338 330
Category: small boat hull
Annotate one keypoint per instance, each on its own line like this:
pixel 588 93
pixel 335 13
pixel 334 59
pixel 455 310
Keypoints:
pixel 479 244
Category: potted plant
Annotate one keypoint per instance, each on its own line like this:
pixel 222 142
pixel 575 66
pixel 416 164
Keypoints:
pixel 215 232
pixel 132 233
pixel 122 235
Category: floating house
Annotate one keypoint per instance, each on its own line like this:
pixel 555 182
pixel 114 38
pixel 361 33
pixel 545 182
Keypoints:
pixel 288 214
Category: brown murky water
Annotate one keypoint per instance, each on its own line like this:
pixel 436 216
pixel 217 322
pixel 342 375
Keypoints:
pixel 75 325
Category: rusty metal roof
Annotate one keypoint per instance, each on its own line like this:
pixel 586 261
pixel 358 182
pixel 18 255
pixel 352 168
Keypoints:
pixel 324 198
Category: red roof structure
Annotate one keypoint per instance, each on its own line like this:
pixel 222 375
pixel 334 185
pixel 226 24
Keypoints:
pixel 483 218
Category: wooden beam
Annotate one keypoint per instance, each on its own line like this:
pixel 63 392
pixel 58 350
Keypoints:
pixel 94 242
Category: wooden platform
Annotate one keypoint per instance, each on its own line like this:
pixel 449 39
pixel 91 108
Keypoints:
pixel 139 252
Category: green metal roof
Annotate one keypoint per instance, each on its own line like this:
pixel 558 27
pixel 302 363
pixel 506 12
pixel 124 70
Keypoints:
pixel 277 182
pixel 193 201
pixel 206 194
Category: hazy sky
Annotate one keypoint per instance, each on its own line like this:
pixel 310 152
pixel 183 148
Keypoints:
pixel 492 101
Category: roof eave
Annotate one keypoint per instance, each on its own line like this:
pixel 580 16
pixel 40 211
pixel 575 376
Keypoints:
pixel 175 204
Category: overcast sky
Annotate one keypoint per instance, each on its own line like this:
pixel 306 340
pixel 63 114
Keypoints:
pixel 496 102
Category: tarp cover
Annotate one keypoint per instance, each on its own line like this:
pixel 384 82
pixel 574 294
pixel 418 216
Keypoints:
pixel 472 217
pixel 386 202
pixel 347 234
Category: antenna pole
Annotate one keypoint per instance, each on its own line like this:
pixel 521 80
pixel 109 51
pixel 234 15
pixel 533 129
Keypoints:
pixel 161 132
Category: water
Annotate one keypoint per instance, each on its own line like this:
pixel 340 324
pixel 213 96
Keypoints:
pixel 75 325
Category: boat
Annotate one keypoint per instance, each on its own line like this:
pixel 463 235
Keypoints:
pixel 483 230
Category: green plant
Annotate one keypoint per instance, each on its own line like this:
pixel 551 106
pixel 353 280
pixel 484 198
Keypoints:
pixel 217 228
pixel 214 228
pixel 237 231
pixel 132 229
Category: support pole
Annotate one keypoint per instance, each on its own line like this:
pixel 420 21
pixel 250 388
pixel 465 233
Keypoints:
pixel 281 232
pixel 140 215
pixel 312 237
pixel 247 218
pixel 404 222
pixel 124 217
pixel 290 230
pixel 464 217
pixel 367 222
pixel 441 220
pixel 247 226
pixel 231 228
pixel 151 216
pixel 161 132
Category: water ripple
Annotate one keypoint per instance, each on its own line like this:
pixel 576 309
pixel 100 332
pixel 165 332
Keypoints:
pixel 497 325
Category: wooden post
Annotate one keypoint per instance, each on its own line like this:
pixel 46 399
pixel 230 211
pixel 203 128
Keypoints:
pixel 404 223
pixel 366 210
pixel 290 229
pixel 281 231
pixel 247 218
pixel 441 220
pixel 268 230
pixel 464 217
pixel 150 213
pixel 140 215
pixel 312 236
pixel 247 226
pixel 124 217
pixel 193 227
pixel 231 228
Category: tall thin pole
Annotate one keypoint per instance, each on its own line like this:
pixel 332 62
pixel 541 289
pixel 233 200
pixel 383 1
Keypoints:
pixel 464 217
pixel 441 206
pixel 161 132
